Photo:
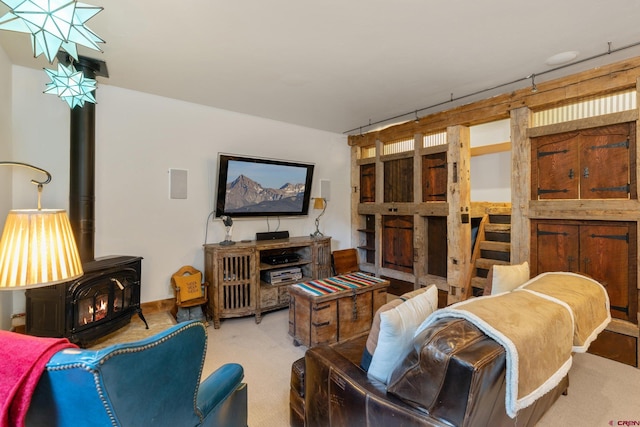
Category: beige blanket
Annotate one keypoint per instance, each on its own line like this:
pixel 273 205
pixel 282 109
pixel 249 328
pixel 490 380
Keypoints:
pixel 536 327
pixel 586 298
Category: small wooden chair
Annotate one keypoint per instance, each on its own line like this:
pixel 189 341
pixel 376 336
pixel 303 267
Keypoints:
pixel 190 291
pixel 345 261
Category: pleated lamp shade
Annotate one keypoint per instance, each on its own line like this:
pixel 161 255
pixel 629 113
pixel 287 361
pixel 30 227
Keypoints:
pixel 37 249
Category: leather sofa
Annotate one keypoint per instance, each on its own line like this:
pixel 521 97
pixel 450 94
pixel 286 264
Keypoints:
pixel 152 382
pixel 462 377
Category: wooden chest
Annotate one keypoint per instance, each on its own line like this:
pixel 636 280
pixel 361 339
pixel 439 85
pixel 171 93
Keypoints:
pixel 334 309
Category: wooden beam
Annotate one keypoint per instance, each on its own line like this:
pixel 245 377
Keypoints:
pixel 597 81
pixel 491 149
pixel 459 217
pixel 520 185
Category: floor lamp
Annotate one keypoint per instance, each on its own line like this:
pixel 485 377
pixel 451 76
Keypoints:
pixel 37 247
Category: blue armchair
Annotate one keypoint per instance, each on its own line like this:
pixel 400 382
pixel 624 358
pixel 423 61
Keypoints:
pixel 152 382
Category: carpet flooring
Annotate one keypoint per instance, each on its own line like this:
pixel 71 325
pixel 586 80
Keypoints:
pixel 601 392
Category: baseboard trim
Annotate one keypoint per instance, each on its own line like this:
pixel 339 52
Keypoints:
pixel 157 306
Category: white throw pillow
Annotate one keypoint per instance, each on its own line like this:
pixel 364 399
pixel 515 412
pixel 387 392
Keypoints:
pixel 508 277
pixel 397 327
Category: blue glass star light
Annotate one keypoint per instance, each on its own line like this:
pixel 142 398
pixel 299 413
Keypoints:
pixel 53 24
pixel 71 85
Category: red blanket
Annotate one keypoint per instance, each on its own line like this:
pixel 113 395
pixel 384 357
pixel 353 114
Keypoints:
pixel 22 361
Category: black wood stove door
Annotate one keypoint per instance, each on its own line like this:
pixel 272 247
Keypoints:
pixel 102 298
pixel 98 303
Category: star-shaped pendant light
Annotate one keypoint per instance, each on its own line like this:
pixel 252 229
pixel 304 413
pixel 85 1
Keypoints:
pixel 71 85
pixel 53 24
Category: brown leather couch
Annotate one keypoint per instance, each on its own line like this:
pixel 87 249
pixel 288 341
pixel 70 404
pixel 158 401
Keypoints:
pixel 460 382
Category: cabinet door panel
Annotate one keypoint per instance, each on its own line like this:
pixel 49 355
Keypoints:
pixel 437 246
pixel 397 243
pixel 557 247
pixel 604 163
pixel 368 183
pixel 594 163
pixel 604 255
pixel 434 177
pixel 558 169
pixel 398 180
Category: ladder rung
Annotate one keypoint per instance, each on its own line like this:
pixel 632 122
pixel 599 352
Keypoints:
pixel 497 228
pixel 488 245
pixel 478 282
pixel 486 263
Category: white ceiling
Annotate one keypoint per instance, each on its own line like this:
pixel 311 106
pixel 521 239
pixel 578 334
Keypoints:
pixel 338 65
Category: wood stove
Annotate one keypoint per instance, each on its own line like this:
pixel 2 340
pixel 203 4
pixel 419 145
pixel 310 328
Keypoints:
pixel 105 297
pixel 83 310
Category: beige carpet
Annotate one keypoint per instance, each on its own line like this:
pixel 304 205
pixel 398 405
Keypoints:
pixel 266 352
pixel 601 392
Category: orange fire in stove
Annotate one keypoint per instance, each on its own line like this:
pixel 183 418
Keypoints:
pixel 96 312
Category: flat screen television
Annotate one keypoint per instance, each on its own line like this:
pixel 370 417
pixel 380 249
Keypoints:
pixel 254 186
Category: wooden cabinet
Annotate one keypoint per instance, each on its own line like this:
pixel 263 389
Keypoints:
pixel 338 316
pixel 581 180
pixel 586 164
pixel 235 273
pixel 410 206
pixel 599 249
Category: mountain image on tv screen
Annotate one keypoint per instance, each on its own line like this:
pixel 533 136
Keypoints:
pixel 264 188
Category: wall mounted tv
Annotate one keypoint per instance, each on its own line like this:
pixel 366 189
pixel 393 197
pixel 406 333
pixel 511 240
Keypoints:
pixel 254 186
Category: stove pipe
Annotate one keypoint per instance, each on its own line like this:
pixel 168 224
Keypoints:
pixel 82 179
pixel 82 161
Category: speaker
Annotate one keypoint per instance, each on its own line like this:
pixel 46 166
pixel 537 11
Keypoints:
pixel 272 235
pixel 178 183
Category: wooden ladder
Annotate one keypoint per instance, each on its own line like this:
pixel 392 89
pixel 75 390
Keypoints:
pixel 492 246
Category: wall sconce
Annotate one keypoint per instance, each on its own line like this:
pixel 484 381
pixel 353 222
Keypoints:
pixel 319 203
pixel 37 247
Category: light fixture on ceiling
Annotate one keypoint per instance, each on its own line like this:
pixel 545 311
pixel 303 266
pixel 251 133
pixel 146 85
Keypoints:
pixel 71 85
pixel 53 25
pixel 37 247
pixel 561 58
pixel 534 88
pixel 319 203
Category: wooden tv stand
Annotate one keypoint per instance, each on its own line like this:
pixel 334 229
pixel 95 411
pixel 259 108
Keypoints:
pixel 234 273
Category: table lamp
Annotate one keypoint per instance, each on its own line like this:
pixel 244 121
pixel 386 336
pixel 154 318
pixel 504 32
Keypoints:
pixel 319 203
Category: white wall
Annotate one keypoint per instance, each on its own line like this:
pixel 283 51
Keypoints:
pixel 6 298
pixel 139 137
pixel 491 173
